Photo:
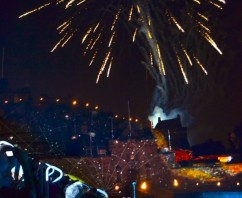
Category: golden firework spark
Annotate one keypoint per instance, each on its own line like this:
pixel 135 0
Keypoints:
pixel 100 25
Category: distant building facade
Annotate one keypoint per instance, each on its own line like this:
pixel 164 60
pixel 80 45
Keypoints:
pixel 175 133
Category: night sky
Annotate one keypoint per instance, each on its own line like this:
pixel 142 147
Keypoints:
pixel 27 43
pixel 65 72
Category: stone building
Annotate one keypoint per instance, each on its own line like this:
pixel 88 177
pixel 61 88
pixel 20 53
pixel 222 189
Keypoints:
pixel 174 132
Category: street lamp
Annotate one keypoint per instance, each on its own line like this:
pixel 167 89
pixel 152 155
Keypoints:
pixel 91 135
pixel 134 189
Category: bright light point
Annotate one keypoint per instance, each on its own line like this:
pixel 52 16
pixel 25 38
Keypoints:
pixel 87 104
pixel 218 184
pixel 175 183
pixel 225 159
pixel 74 102
pixel 130 119
pixel 197 184
pixel 6 101
pixel 116 141
pixel 57 100
pixel 136 120
pixel 144 185
pixel 41 99
pixel 9 153
pixel 11 137
pixel 116 116
pixel 96 107
pixel 117 187
pixel 73 137
pixel 223 1
pixel 237 183
pixel 92 134
pixel 197 1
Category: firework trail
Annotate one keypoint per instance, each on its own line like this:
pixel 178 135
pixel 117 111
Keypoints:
pixel 169 34
pixel 160 22
pixel 171 45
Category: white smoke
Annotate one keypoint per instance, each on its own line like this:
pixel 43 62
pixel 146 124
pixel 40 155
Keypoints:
pixel 159 113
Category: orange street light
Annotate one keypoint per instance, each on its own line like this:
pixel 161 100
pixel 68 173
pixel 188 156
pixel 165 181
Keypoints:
pixel 116 187
pixel 74 102
pixel 175 183
pixel 144 186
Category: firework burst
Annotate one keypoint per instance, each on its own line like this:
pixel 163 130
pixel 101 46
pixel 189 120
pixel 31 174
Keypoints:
pixel 162 28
